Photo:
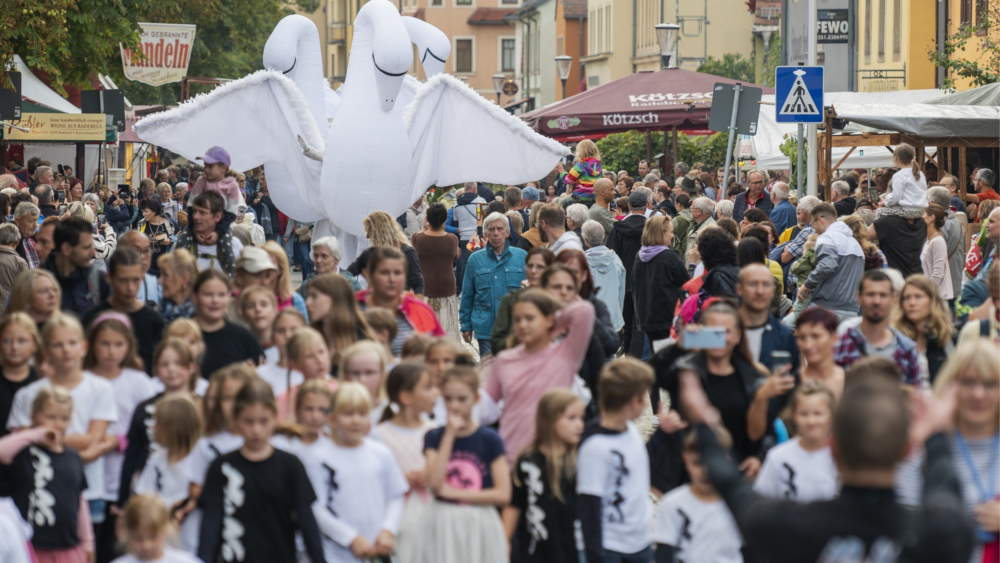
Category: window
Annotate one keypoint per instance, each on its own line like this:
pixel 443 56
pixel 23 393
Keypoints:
pixel 897 19
pixel 463 54
pixel 868 31
pixel 966 12
pixel 510 2
pixel 506 55
pixel 881 31
pixel 981 7
pixel 463 2
pixel 437 2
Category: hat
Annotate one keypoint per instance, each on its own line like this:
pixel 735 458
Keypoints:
pixel 688 184
pixel 637 200
pixel 215 154
pixel 530 193
pixel 863 202
pixel 254 260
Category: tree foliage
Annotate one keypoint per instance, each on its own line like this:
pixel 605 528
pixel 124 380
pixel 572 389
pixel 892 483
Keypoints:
pixel 73 40
pixel 732 65
pixel 983 70
pixel 772 60
pixel 623 151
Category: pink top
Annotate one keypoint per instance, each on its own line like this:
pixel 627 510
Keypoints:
pixel 226 187
pixel 520 378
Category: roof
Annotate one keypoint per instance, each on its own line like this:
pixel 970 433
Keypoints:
pixel 34 90
pixel 924 120
pixel 574 8
pixel 988 95
pixel 490 16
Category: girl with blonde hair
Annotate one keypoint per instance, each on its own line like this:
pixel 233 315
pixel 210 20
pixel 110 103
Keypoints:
pixel 384 232
pixel 37 293
pixel 283 287
pixel 334 311
pixel 585 172
pixel 307 354
pixel 874 259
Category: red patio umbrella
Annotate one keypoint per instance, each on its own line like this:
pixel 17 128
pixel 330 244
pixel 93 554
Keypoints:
pixel 644 101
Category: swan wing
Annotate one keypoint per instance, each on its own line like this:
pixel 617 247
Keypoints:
pixel 456 136
pixel 258 120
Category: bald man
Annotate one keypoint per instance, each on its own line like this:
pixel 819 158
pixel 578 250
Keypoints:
pixel 764 333
pixel 604 195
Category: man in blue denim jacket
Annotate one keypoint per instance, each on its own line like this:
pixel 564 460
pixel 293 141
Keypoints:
pixel 490 273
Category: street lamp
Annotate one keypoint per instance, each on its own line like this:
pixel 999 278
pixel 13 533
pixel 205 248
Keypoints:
pixel 666 36
pixel 563 65
pixel 498 80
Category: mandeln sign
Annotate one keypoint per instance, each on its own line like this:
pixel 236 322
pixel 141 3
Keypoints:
pixel 163 53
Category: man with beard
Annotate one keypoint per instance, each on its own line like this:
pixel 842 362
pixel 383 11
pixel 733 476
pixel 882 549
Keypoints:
pixel 874 336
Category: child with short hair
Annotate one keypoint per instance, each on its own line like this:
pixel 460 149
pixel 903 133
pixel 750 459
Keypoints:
pixel 412 394
pixel 146 526
pixel 366 362
pixel 415 347
pixel 692 521
pixel 256 498
pixel 19 343
pixel 468 473
pixel 275 371
pixel 542 512
pixel 177 429
pixel 312 403
pixel 802 468
pixel 307 354
pixel 46 480
pixel 383 325
pixel 176 368
pixel 187 331
pixel 94 404
pixel 359 487
pixel 258 308
pixel 612 468
pixel 907 195
pixel 112 354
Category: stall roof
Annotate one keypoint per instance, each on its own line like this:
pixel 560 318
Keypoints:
pixel 34 90
pixel 925 120
pixel 770 133
pixel 645 100
pixel 988 95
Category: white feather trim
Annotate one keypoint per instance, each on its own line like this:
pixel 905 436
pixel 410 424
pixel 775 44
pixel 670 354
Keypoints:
pixel 190 109
pixel 513 123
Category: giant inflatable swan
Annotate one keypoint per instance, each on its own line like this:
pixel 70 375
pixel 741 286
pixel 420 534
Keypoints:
pixel 372 156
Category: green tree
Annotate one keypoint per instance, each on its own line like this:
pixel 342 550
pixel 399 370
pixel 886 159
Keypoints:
pixel 732 65
pixel 981 71
pixel 623 151
pixel 772 60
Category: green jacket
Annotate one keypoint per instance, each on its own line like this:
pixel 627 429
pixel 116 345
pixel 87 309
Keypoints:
pixel 504 322
pixel 804 266
pixel 682 226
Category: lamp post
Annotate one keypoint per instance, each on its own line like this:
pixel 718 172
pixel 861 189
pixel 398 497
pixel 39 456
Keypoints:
pixel 498 80
pixel 563 65
pixel 666 36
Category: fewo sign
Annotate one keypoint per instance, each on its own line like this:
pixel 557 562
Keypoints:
pixel 58 127
pixel 163 54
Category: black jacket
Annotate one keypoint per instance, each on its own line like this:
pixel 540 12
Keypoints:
pixel 656 287
pixel 604 342
pixel 265 205
pixel 626 239
pixel 414 277
pixel 845 206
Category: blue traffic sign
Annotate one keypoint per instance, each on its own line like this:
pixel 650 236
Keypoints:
pixel 798 94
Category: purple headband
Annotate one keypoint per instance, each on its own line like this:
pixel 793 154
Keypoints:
pixel 112 315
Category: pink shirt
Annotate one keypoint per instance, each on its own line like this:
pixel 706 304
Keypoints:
pixel 520 378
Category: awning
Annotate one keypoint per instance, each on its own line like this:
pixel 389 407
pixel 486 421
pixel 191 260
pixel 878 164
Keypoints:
pixel 925 120
pixel 34 90
pixel 643 101
pixel 988 95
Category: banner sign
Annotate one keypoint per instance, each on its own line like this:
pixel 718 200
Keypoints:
pixel 163 55
pixel 832 26
pixel 58 127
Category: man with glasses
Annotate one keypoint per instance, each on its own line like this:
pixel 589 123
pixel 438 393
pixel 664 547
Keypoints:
pixel 754 198
pixel 951 183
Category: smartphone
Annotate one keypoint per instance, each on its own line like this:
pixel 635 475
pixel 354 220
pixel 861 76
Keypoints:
pixel 62 196
pixel 100 219
pixel 873 195
pixel 780 358
pixel 62 209
pixel 62 172
pixel 708 338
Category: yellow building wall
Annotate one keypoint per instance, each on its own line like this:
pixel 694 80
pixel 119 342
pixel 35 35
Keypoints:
pixel 973 50
pixel 879 49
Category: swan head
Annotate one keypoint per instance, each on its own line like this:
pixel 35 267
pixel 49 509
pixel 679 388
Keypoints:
pixel 391 63
pixel 433 46
pixel 281 52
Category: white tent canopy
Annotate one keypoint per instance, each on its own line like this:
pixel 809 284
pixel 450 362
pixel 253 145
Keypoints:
pixel 34 90
pixel 770 133
pixel 925 120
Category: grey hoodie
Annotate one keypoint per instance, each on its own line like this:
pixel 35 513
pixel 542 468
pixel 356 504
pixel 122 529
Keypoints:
pixel 834 281
pixel 609 281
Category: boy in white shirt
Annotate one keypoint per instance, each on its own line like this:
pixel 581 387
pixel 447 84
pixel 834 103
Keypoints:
pixel 612 469
pixel 693 523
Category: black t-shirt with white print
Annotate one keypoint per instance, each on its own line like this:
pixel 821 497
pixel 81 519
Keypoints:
pixel 8 389
pixel 46 487
pixel 546 529
pixel 230 344
pixel 252 509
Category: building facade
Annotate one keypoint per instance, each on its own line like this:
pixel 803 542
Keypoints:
pixel 893 37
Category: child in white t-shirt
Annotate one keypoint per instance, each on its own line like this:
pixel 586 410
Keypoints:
pixel 907 195
pixel 693 523
pixel 147 525
pixel 802 468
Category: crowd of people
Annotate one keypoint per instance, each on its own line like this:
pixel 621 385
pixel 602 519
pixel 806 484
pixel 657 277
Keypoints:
pixel 592 367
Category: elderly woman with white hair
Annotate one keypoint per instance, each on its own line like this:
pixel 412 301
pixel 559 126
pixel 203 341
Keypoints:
pixel 326 254
pixel 247 218
pixel 724 210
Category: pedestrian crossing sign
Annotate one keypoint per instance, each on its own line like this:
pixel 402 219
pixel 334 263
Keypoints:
pixel 798 94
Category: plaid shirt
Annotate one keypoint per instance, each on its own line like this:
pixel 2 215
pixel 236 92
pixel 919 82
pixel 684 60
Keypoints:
pixel 853 346
pixel 30 256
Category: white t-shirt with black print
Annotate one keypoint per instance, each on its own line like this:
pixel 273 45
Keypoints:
pixel 169 481
pixel 359 491
pixel 131 388
pixel 615 467
pixel 206 450
pixel 790 472
pixel 93 399
pixel 697 530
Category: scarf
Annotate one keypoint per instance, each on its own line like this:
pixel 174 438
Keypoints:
pixel 840 236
